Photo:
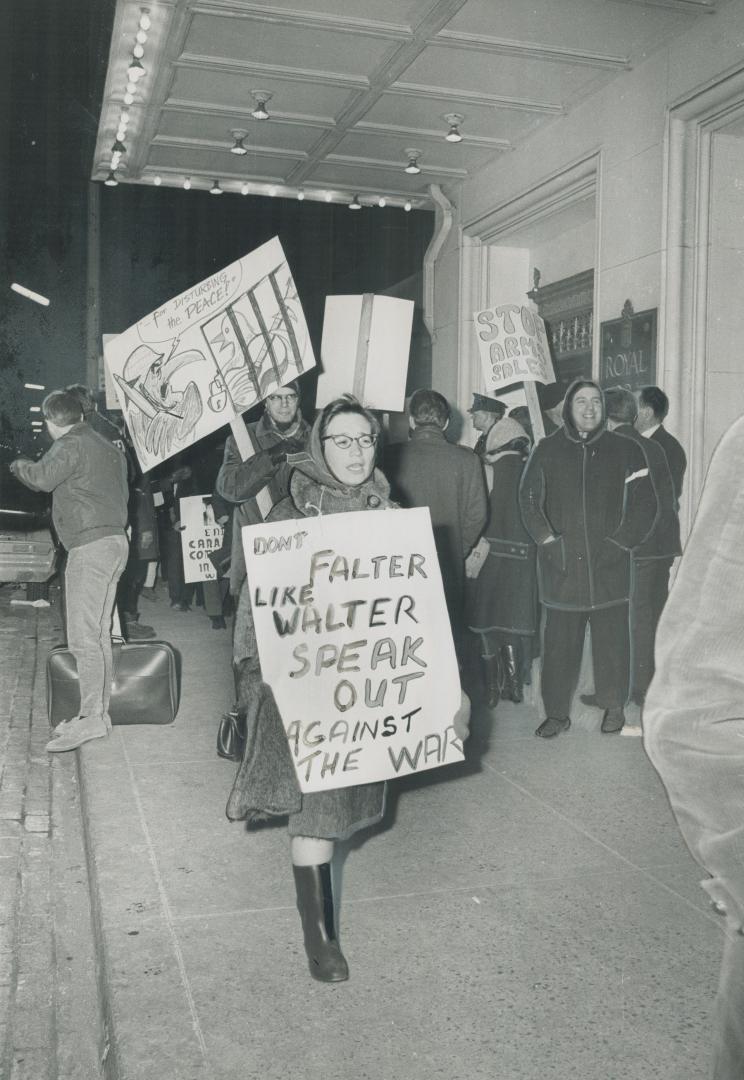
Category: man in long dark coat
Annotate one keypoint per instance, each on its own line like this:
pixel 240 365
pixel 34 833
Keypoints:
pixel 587 501
pixel 429 471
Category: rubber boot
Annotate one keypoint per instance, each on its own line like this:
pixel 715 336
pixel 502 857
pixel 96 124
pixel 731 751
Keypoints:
pixel 315 905
pixel 512 673
pixel 493 677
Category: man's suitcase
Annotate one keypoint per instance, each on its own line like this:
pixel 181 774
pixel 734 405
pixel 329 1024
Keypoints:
pixel 146 685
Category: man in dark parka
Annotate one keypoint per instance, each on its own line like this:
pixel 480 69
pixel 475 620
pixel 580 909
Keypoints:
pixel 587 500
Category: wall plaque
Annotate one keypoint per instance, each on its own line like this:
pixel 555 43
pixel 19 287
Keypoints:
pixel 628 349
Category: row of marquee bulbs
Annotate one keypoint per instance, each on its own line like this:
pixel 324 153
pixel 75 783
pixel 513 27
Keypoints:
pixel 355 204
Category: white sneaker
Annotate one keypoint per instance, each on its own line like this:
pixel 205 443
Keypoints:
pixel 632 730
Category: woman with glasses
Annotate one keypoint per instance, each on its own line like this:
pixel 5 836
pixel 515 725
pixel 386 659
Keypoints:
pixel 337 475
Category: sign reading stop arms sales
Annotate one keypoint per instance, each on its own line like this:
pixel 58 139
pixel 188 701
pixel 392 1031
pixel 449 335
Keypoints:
pixel 355 642
pixel 513 346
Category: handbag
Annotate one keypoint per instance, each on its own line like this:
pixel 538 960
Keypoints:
pixel 146 685
pixel 231 735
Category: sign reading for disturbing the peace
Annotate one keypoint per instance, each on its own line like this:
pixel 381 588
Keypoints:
pixel 355 642
pixel 513 346
pixel 200 534
pixel 206 356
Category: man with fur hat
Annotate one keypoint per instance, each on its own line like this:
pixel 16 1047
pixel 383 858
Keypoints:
pixel 587 501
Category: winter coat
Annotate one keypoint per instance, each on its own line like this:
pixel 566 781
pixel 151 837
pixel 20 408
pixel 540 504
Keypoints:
pixel 676 457
pixel 242 482
pixel 266 783
pixel 663 541
pixel 504 595
pixel 88 477
pixel 429 471
pixel 586 501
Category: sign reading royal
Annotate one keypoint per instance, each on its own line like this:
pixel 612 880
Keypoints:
pixel 355 642
pixel 513 346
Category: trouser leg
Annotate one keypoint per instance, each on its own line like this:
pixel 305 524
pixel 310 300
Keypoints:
pixel 214 597
pixel 650 591
pixel 611 655
pixel 563 645
pixel 93 571
pixel 702 765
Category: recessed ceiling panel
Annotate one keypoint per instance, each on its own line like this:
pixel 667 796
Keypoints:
pixel 389 11
pixel 600 26
pixel 427 112
pixel 247 41
pixel 208 162
pixel 502 76
pixel 234 91
pixel 216 128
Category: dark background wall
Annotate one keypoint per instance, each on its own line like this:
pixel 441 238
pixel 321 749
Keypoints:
pixel 154 242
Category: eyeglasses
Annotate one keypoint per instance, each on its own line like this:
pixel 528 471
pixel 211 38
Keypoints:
pixel 343 442
pixel 282 399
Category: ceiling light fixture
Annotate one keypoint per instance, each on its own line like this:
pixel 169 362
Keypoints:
pixel 111 180
pixel 412 168
pixel 118 147
pixel 138 51
pixel 260 112
pixel 245 189
pixel 141 36
pixel 300 195
pixel 129 99
pixel 135 70
pixel 328 196
pixel 454 120
pixel 157 181
pixel 238 135
pixel 215 188
pixel 382 202
pixel 355 204
pixel 144 20
pixel 407 207
pixel 187 184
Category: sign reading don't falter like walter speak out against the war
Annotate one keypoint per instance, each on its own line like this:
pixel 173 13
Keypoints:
pixel 355 642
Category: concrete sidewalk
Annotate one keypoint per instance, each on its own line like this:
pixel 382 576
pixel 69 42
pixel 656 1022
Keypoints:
pixel 531 913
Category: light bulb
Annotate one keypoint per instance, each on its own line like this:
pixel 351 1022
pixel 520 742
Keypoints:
pixel 355 204
pixel 187 184
pixel 382 202
pixel 245 189
pixel 138 51
pixel 328 196
pixel 128 99
pixel 111 180
pixel 407 207
pixel 301 195
pixel 215 188
pixel 124 118
pixel 141 36
pixel 157 181
pixel 144 21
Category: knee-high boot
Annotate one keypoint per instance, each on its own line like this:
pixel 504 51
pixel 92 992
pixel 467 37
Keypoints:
pixel 315 905
pixel 493 676
pixel 512 673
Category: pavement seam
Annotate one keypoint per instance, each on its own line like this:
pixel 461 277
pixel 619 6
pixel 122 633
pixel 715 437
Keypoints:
pixel 176 945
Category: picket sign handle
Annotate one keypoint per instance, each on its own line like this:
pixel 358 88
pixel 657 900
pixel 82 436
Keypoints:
pixel 243 442
pixel 536 417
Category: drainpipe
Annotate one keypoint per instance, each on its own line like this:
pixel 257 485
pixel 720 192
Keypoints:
pixel 443 224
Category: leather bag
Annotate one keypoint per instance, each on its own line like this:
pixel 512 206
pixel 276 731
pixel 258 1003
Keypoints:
pixel 146 684
pixel 231 735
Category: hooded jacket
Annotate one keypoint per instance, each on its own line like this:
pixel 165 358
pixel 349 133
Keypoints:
pixel 587 500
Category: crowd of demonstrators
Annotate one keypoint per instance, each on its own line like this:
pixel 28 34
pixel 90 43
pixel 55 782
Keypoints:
pixel 587 500
pixel 87 476
pixel 502 603
pixel 448 479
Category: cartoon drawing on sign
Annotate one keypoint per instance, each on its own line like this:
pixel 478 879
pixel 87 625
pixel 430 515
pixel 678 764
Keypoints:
pixel 159 416
pixel 259 340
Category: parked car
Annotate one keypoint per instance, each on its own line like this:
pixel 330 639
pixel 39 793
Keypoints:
pixel 29 551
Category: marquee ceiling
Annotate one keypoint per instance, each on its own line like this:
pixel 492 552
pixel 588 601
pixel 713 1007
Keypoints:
pixel 356 85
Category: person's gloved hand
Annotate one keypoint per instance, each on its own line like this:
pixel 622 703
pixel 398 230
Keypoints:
pixel 461 719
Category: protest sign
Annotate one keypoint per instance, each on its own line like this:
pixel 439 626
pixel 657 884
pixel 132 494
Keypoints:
pixel 364 350
pixel 105 381
pixel 200 534
pixel 355 642
pixel 513 346
pixel 207 355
